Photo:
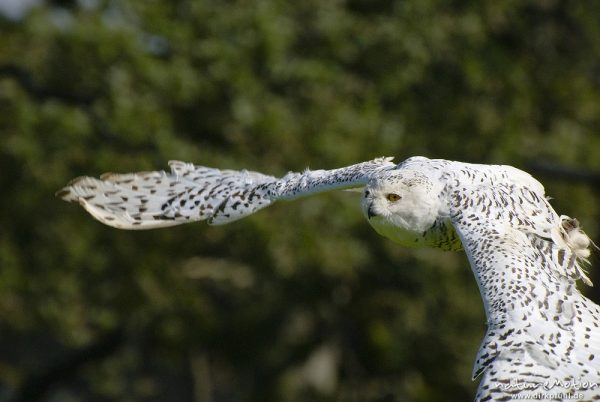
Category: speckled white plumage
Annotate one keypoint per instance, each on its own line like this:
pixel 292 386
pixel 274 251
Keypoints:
pixel 543 336
pixel 148 200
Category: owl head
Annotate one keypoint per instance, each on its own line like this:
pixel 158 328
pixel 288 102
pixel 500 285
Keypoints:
pixel 402 205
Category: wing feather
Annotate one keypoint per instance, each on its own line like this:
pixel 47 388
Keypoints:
pixel 147 200
pixel 537 319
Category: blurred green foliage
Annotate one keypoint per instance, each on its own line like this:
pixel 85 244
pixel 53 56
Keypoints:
pixel 301 302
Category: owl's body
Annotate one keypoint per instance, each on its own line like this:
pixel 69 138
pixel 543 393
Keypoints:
pixel 543 336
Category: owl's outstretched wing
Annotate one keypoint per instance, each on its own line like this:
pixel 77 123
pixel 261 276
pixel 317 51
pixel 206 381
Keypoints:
pixel 540 330
pixel 147 200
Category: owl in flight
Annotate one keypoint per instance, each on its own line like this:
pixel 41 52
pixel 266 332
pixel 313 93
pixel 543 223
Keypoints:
pixel 543 336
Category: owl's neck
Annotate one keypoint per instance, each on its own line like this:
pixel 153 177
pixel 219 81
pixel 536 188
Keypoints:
pixel 440 235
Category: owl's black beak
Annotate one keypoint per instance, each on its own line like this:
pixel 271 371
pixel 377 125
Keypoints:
pixel 370 212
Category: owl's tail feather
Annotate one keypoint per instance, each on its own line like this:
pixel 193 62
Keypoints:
pixel 570 238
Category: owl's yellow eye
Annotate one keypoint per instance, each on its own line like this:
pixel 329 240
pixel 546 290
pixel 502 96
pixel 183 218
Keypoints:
pixel 393 197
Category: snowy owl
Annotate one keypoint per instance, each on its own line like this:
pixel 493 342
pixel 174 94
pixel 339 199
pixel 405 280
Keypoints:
pixel 543 336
